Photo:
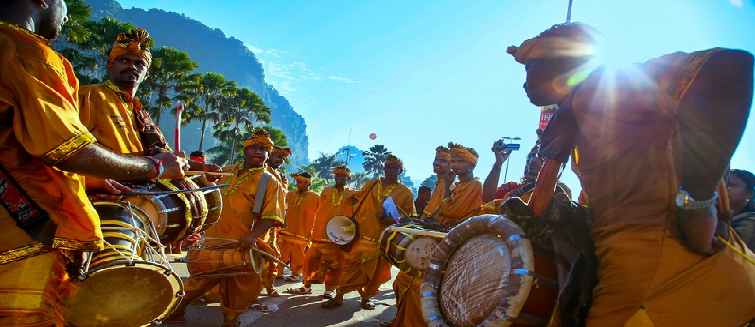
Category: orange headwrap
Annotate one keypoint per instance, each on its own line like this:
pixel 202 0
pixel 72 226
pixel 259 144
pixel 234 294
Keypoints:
pixel 469 154
pixel 301 178
pixel 442 151
pixel 342 170
pixel 551 47
pixel 137 42
pixel 393 159
pixel 283 152
pixel 260 137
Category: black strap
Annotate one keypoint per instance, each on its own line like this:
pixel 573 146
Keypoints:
pixel 28 215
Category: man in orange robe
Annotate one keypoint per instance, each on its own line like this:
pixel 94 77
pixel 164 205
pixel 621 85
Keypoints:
pixel 44 151
pixel 240 222
pixel 301 208
pixel 364 269
pixel 442 168
pixel 323 260
pixel 461 203
pixel 650 144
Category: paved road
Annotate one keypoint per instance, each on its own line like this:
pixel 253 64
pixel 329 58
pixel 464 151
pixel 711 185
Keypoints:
pixel 296 310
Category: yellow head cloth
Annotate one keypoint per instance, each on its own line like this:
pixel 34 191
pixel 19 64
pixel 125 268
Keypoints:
pixel 442 151
pixel 469 154
pixel 342 170
pixel 260 137
pixel 393 159
pixel 136 42
pixel 283 152
pixel 301 178
pixel 551 47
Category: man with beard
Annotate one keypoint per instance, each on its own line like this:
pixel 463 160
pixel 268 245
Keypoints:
pixel 44 151
pixel 650 143
pixel 364 269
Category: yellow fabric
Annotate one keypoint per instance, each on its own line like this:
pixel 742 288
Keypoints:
pixel 110 119
pixel 640 319
pixel 443 152
pixel 332 203
pixel 260 137
pixel 466 153
pixel 31 291
pixel 551 47
pixel 137 42
pixel 322 264
pixel 465 200
pixel 300 216
pixel 407 292
pixel 236 292
pixel 366 216
pixel 364 269
pixel 280 178
pixel 301 178
pixel 39 128
pixel 644 260
pixel 342 170
pixel 283 152
pixel 436 198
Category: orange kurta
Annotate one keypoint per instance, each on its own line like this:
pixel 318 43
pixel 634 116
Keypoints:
pixel 364 268
pixel 323 259
pixel 628 163
pixel 301 208
pixel 436 198
pixel 270 270
pixel 465 200
pixel 110 119
pixel 236 221
pixel 39 128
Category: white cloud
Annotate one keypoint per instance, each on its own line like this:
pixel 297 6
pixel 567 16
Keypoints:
pixel 256 50
pixel 342 79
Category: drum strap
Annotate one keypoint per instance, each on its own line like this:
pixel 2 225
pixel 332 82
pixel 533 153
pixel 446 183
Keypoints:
pixel 261 188
pixel 28 215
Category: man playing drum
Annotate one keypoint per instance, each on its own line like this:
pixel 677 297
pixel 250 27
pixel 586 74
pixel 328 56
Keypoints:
pixel 240 222
pixel 459 204
pixel 364 269
pixel 323 260
pixel 650 143
pixel 44 151
pixel 301 208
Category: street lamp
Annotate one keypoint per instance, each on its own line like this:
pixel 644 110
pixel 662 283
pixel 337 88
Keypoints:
pixel 508 140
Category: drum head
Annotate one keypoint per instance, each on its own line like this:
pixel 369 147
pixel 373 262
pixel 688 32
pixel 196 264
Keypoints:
pixel 122 295
pixel 419 252
pixel 467 301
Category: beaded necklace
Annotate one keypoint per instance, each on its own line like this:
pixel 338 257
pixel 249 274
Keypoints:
pixel 333 200
pixel 300 198
pixel 247 174
pixel 381 197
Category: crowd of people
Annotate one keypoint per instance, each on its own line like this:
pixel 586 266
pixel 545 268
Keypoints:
pixel 672 227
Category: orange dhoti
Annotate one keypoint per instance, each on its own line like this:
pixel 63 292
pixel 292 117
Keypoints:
pixel 31 291
pixel 409 312
pixel 364 269
pixel 237 292
pixel 292 251
pixel 322 264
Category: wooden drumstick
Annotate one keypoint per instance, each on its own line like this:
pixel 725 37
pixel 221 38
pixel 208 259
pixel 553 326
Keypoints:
pixel 211 173
pixel 419 232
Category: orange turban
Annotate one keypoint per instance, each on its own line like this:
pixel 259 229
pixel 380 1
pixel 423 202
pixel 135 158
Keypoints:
pixel 283 152
pixel 393 159
pixel 301 178
pixel 442 151
pixel 469 154
pixel 260 137
pixel 342 170
pixel 551 47
pixel 136 42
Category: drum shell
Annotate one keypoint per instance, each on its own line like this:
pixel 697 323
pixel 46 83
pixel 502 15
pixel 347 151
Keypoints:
pixel 222 262
pixel 394 246
pixel 214 201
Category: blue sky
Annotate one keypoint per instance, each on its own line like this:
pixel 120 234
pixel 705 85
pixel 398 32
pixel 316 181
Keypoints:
pixel 422 73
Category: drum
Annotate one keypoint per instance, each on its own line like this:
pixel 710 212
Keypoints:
pixel 129 283
pixel 407 249
pixel 176 216
pixel 218 260
pixel 214 202
pixel 485 273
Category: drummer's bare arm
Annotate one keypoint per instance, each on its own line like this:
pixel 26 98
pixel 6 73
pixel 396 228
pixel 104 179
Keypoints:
pixel 260 228
pixel 201 166
pixel 96 161
pixel 711 119
pixel 490 186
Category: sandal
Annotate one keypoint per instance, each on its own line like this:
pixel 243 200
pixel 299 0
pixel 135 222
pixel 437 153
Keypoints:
pixel 260 307
pixel 181 259
pixel 291 278
pixel 386 323
pixel 272 292
pixel 332 303
pixel 329 294
pixel 299 290
pixel 367 305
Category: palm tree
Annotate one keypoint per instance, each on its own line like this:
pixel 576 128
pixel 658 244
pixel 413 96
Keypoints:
pixel 169 79
pixel 222 152
pixel 358 179
pixel 213 89
pixel 243 110
pixel 324 165
pixel 374 160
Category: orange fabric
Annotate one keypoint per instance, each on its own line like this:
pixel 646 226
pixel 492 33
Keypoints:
pixel 236 292
pixel 364 269
pixel 110 119
pixel 436 198
pixel 332 203
pixel 366 216
pixel 301 208
pixel 280 178
pixel 31 291
pixel 409 312
pixel 39 128
pixel 465 200
pixel 322 264
pixel 644 260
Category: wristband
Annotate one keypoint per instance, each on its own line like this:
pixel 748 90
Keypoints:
pixel 158 165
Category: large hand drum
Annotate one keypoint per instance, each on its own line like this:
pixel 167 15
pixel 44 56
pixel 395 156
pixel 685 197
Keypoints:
pixel 340 229
pixel 214 201
pixel 409 247
pixel 176 216
pixel 222 260
pixel 484 273
pixel 128 283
